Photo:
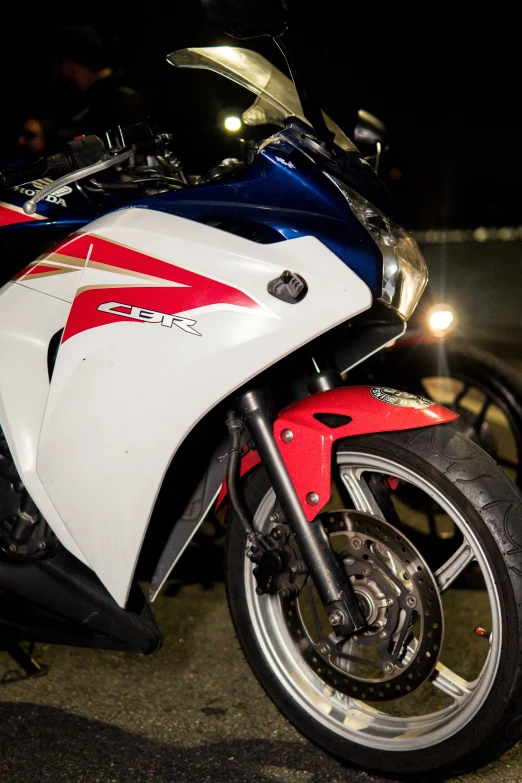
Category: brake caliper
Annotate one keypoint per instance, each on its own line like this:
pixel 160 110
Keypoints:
pixel 279 568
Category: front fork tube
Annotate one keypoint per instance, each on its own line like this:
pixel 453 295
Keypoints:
pixel 256 410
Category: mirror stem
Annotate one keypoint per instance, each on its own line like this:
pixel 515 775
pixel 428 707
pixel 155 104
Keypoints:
pixel 377 163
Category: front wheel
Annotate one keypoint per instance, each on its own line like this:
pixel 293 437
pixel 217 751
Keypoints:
pixel 420 691
pixel 484 391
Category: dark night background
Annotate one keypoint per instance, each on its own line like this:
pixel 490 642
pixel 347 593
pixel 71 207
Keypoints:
pixel 446 87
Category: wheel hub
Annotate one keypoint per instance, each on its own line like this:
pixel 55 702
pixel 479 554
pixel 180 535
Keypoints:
pixel 366 601
pixel 399 598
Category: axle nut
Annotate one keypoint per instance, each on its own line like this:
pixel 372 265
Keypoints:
pixel 336 618
pixel 287 436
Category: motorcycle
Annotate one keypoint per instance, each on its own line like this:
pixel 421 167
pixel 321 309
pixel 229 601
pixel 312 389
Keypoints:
pixel 271 280
pixel 483 390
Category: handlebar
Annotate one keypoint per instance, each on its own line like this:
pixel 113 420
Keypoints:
pixel 88 155
pixel 76 155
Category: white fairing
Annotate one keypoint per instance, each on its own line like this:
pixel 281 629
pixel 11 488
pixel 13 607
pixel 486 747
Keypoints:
pixel 130 381
pixel 28 320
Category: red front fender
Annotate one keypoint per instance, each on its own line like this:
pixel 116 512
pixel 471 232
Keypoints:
pixel 317 421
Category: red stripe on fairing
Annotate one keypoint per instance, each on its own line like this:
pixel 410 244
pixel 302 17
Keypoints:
pixel 62 244
pixel 36 268
pixel 105 252
pixel 9 217
pixel 22 273
pixel 195 290
pixel 39 269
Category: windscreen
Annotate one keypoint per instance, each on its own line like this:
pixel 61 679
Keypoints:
pixel 277 95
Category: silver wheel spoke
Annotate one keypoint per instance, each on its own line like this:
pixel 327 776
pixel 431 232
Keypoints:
pixel 451 684
pixel 453 701
pixel 359 491
pixel 454 566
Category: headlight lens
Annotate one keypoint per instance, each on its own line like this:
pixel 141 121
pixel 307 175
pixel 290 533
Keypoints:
pixel 404 273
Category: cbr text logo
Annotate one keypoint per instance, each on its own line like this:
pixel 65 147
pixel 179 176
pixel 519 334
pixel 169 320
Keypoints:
pixel 150 316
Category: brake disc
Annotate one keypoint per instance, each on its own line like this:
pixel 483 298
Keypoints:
pixel 400 601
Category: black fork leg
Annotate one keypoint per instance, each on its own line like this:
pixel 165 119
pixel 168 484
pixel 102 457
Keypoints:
pixel 256 409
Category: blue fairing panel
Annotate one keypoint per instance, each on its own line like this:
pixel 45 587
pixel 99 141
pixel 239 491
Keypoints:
pixel 282 195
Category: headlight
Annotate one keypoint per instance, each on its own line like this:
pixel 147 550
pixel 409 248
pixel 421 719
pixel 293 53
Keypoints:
pixel 404 272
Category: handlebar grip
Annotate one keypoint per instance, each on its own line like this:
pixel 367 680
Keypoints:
pixel 76 155
pixel 28 172
pixel 85 151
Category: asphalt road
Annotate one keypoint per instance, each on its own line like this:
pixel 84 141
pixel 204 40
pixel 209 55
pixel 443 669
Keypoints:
pixel 192 713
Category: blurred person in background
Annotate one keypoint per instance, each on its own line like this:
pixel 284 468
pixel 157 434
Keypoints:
pixel 33 137
pixel 101 100
pixel 89 95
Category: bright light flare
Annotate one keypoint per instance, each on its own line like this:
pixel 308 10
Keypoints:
pixel 232 124
pixel 441 320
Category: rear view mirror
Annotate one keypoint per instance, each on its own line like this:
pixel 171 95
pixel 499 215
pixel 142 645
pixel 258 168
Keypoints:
pixel 247 18
pixel 370 136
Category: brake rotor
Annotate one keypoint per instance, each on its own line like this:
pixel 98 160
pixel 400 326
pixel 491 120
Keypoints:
pixel 399 598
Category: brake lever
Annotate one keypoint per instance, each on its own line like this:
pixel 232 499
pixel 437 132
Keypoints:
pixel 29 206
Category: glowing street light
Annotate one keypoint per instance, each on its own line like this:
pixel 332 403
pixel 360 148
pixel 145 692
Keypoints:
pixel 232 124
pixel 441 320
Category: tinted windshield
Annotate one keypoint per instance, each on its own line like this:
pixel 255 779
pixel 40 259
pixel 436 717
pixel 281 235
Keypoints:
pixel 277 95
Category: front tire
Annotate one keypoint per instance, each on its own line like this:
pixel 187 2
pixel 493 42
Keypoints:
pixel 483 390
pixel 455 721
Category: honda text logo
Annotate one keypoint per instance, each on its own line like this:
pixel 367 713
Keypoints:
pixel 56 197
pixel 150 316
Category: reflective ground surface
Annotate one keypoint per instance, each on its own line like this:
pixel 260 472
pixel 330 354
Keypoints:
pixel 191 713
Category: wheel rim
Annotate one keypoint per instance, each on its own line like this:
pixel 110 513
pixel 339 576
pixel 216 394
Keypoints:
pixel 352 719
